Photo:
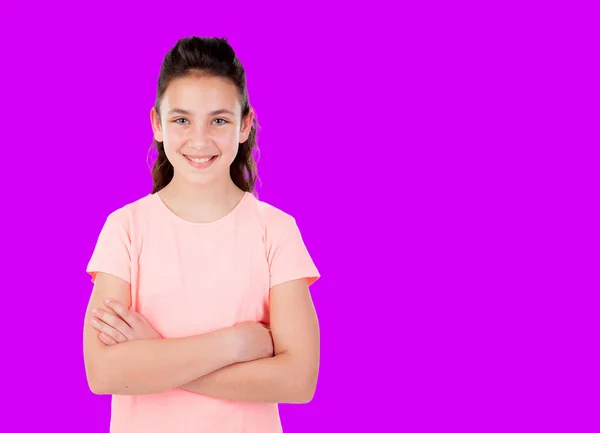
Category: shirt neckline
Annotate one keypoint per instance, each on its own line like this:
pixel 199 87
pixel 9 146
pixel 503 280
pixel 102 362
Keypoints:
pixel 220 220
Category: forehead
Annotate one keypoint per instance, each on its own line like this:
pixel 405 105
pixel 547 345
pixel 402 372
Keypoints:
pixel 200 94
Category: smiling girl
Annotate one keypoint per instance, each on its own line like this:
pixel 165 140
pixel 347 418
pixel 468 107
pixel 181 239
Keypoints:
pixel 201 319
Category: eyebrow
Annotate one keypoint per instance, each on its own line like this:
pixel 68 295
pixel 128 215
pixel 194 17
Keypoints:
pixel 189 113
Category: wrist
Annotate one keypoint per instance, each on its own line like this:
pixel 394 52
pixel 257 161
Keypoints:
pixel 233 343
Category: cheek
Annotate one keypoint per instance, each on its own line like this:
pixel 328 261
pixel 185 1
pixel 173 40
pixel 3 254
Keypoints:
pixel 228 144
pixel 172 140
pixel 171 134
pixel 171 152
pixel 229 152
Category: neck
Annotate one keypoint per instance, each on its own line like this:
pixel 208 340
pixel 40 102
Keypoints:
pixel 215 195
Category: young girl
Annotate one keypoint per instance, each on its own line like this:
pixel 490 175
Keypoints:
pixel 201 319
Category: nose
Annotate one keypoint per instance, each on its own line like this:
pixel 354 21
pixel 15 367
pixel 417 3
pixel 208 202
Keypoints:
pixel 199 136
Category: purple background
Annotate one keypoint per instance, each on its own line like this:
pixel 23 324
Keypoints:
pixel 441 162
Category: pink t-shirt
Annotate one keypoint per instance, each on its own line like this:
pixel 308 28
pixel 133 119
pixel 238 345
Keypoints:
pixel 192 278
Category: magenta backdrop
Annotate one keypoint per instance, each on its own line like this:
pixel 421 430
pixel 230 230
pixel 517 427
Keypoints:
pixel 441 163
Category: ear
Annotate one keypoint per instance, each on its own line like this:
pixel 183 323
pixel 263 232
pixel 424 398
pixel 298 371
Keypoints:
pixel 246 126
pixel 155 122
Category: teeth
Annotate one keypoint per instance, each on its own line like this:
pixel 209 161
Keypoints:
pixel 199 159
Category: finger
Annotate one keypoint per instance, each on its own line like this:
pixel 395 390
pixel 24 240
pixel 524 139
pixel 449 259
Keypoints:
pixel 106 339
pixel 123 312
pixel 102 327
pixel 113 321
pixel 142 318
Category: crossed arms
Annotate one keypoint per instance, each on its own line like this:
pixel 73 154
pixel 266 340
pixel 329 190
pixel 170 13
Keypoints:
pixel 222 364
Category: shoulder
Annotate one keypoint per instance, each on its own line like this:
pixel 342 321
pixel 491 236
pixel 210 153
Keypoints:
pixel 131 213
pixel 274 219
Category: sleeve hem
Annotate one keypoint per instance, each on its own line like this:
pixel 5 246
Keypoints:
pixel 93 272
pixel 312 278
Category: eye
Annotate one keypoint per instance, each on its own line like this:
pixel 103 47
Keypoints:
pixel 224 121
pixel 181 118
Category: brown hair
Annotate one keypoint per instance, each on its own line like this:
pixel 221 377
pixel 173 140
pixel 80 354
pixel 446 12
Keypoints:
pixel 213 57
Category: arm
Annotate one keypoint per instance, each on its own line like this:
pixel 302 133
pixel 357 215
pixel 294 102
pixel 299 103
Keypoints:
pixel 288 377
pixel 148 366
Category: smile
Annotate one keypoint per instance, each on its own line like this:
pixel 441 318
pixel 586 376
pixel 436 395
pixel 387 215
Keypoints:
pixel 200 161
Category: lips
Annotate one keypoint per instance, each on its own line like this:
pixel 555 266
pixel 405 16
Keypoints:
pixel 199 158
pixel 200 162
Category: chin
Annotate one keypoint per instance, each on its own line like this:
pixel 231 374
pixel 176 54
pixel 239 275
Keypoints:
pixel 205 179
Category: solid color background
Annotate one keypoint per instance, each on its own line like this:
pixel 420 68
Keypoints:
pixel 441 162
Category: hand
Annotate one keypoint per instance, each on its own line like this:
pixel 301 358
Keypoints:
pixel 254 341
pixel 119 324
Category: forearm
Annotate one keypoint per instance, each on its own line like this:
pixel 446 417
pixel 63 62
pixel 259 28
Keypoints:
pixel 276 379
pixel 149 366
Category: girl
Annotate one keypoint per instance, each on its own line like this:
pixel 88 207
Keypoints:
pixel 200 319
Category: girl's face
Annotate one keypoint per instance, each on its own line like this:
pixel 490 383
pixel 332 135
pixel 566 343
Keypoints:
pixel 201 127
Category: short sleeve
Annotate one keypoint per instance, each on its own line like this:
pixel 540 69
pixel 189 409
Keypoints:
pixel 112 253
pixel 289 258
